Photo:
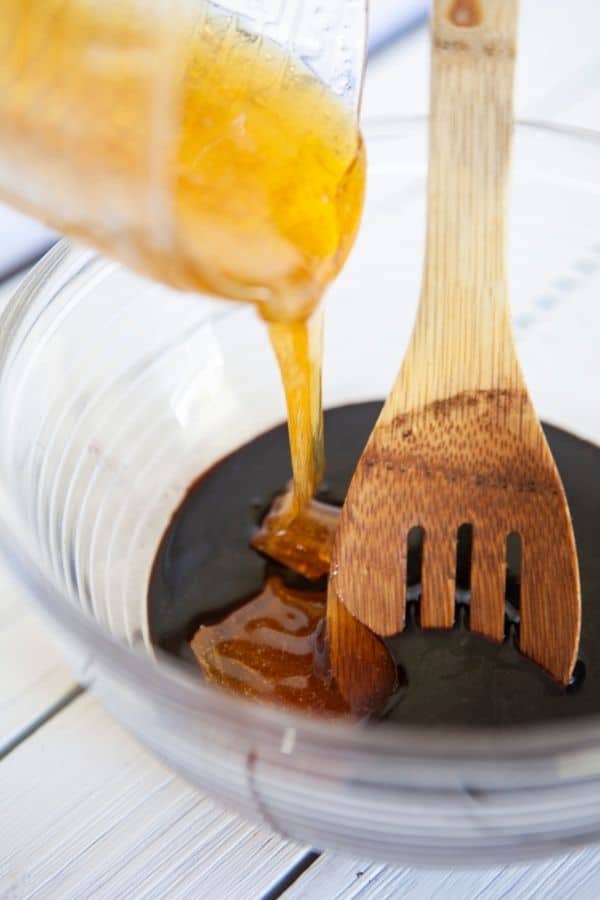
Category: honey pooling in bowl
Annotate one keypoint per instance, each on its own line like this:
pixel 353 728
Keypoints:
pixel 273 648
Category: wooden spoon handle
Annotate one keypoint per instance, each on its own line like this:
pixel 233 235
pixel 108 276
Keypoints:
pixel 463 325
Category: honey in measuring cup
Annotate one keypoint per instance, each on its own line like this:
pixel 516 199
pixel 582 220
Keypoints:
pixel 195 152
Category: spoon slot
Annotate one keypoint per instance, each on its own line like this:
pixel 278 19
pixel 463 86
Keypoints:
pixel 464 548
pixel 514 559
pixel 414 569
pixel 414 560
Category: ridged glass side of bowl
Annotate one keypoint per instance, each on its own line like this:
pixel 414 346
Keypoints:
pixel 116 393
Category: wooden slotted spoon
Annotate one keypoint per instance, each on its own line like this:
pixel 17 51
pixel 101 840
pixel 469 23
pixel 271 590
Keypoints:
pixel 458 440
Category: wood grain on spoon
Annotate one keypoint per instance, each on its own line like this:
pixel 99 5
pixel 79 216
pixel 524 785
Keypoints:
pixel 458 440
pixel 370 675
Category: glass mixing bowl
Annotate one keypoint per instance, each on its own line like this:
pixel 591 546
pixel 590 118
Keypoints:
pixel 116 393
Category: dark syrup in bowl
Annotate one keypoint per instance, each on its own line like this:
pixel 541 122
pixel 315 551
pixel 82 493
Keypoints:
pixel 206 571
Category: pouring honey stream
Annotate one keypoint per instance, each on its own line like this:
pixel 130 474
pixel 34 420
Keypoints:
pixel 199 154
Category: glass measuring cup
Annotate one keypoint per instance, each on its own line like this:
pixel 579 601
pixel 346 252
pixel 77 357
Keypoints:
pixel 106 113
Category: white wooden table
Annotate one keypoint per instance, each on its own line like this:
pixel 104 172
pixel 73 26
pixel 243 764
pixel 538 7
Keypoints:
pixel 86 813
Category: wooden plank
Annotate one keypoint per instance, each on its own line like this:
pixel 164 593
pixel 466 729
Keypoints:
pixel 339 878
pixel 86 812
pixel 33 678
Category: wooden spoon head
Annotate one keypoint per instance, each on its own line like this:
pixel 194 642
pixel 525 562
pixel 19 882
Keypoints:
pixel 480 458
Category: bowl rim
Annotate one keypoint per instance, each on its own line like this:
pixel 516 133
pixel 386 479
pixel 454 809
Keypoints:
pixel 571 748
